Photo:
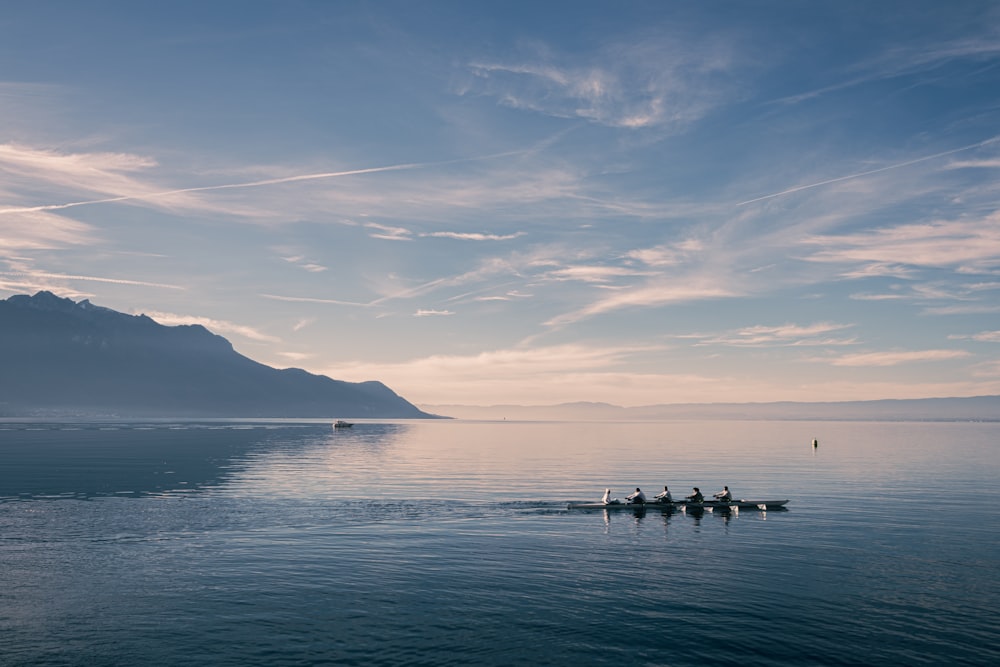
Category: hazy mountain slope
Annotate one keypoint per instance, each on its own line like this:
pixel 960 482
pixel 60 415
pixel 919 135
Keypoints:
pixel 924 409
pixel 59 355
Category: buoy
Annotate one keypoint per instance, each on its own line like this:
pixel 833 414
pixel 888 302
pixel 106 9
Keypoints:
pixel 815 442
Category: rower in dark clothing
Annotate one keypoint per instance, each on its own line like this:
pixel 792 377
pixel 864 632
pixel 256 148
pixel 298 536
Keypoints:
pixel 696 497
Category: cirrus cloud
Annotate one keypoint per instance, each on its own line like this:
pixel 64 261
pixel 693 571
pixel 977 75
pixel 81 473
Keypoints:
pixel 894 358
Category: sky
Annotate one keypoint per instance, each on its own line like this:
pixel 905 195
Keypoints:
pixel 524 202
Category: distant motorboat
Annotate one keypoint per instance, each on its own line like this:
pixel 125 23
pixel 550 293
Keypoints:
pixel 340 423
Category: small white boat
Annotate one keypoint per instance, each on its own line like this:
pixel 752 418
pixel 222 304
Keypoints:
pixel 340 423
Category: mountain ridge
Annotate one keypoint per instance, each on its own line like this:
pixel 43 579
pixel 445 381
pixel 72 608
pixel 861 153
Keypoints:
pixel 971 408
pixel 65 357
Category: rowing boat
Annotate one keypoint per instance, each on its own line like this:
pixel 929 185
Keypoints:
pixel 684 505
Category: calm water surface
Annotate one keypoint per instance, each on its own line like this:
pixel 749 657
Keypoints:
pixel 449 543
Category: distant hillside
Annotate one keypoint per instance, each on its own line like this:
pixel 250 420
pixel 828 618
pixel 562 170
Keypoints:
pixel 59 357
pixel 978 408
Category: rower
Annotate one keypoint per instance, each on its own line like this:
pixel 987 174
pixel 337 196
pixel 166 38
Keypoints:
pixel 663 496
pixel 608 500
pixel 724 495
pixel 637 498
pixel 696 497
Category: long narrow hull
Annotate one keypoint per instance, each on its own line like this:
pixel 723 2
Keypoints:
pixel 707 506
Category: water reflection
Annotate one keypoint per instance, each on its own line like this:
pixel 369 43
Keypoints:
pixel 450 543
pixel 129 459
pixel 638 513
pixel 373 435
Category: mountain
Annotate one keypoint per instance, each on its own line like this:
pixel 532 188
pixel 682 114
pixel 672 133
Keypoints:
pixel 975 408
pixel 61 357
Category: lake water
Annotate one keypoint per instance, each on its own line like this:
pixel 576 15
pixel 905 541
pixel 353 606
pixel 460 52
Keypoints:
pixel 449 543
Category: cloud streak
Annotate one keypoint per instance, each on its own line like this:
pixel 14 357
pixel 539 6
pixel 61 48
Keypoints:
pixel 520 375
pixel 870 172
pixel 895 358
pixel 214 325
pixel 432 313
pixel 38 275
pixel 101 172
pixel 934 244
pixel 473 236
pixel 793 335
pixel 654 294
pixel 318 300
pixel 152 196
pixel 635 84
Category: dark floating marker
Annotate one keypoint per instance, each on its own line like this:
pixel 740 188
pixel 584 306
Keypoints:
pixel 815 443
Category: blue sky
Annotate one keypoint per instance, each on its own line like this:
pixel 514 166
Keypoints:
pixel 531 203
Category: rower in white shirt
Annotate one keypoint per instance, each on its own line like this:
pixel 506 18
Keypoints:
pixel 637 498
pixel 663 496
pixel 608 500
pixel 724 495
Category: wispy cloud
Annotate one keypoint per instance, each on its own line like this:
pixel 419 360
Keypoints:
pixel 895 358
pixel 966 309
pixel 40 231
pixel 668 255
pixel 309 299
pixel 653 294
pixel 487 269
pixel 135 179
pixel 879 270
pixel 35 276
pixel 525 188
pixel 905 60
pixel 214 325
pixel 523 375
pixel 389 233
pixel 106 172
pixel 295 357
pixel 392 291
pixel 37 171
pixel 301 261
pixel 982 337
pixel 870 172
pixel 935 244
pixel 877 297
pixel 31 286
pixel 992 163
pixel 473 236
pixel 592 274
pixel 973 294
pixel 509 296
pixel 93 171
pixel 781 335
pixel 432 313
pixel 580 372
pixel 669 81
